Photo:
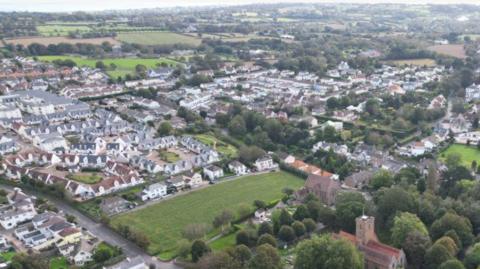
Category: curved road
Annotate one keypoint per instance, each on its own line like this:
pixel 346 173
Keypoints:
pixel 101 231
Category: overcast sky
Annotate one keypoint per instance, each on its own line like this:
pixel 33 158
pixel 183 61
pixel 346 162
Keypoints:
pixel 91 5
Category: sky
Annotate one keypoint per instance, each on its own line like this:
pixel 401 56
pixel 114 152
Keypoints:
pixel 96 5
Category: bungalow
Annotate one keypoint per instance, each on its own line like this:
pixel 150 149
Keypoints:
pixel 213 172
pixel 154 191
pixel 238 168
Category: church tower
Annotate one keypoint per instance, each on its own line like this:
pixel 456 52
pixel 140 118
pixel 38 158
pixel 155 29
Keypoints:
pixel 365 229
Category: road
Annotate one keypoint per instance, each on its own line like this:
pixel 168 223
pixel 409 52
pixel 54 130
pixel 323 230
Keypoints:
pixel 101 231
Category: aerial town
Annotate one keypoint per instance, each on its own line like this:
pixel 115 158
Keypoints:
pixel 264 136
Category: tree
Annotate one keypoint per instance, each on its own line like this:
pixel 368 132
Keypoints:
pixel 453 160
pixel 259 204
pixel 242 238
pixel 388 203
pixel 452 221
pixel 286 233
pixel 349 206
pixel 267 239
pixel 382 178
pixel 223 219
pixel 472 258
pixel 310 225
pixel 242 254
pixel 415 247
pixel 436 255
pixel 165 129
pixel 141 70
pixel 100 65
pixel 237 126
pixel 265 228
pixel 452 264
pixel 267 258
pixel 301 213
pixel 102 254
pixel 183 248
pixel 24 261
pixel 327 252
pixel 298 228
pixel 199 248
pixel 248 154
pixel 403 225
pixel 449 244
pixel 285 218
pixel 195 231
pixel 218 260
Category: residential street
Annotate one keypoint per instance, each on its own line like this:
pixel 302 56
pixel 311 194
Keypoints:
pixel 101 231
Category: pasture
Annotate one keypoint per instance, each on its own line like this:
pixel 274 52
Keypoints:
pixel 453 50
pixel 158 38
pixel 124 66
pixel 414 62
pixel 61 30
pixel 25 41
pixel 164 222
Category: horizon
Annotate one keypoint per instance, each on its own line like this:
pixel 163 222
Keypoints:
pixel 95 6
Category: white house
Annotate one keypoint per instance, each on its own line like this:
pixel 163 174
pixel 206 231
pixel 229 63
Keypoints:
pixel 265 163
pixel 337 125
pixel 238 168
pixel 20 208
pixel 472 93
pixel 213 172
pixel 154 191
pixel 49 142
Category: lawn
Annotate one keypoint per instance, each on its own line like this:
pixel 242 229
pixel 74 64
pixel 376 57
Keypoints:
pixel 124 65
pixel 223 148
pixel 168 156
pixel 468 153
pixel 158 38
pixel 58 263
pixel 224 242
pixel 86 177
pixel 7 256
pixel 163 222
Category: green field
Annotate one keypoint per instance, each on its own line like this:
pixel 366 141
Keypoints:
pixel 163 222
pixel 415 62
pixel 468 153
pixel 59 263
pixel 169 157
pixel 222 147
pixel 87 178
pixel 158 38
pixel 61 30
pixel 124 65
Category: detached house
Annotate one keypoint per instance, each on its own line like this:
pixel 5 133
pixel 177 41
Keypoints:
pixel 213 172
pixel 154 191
pixel 238 168
pixel 265 163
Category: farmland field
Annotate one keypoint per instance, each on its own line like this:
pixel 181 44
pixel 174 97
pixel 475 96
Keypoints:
pixel 124 65
pixel 450 50
pixel 158 38
pixel 163 222
pixel 417 62
pixel 468 153
pixel 60 39
pixel 61 30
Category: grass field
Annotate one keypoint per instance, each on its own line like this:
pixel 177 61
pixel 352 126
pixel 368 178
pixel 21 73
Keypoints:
pixel 169 157
pixel 417 62
pixel 7 256
pixel 85 177
pixel 59 263
pixel 454 50
pixel 25 41
pixel 124 65
pixel 222 147
pixel 468 153
pixel 61 30
pixel 163 222
pixel 158 38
